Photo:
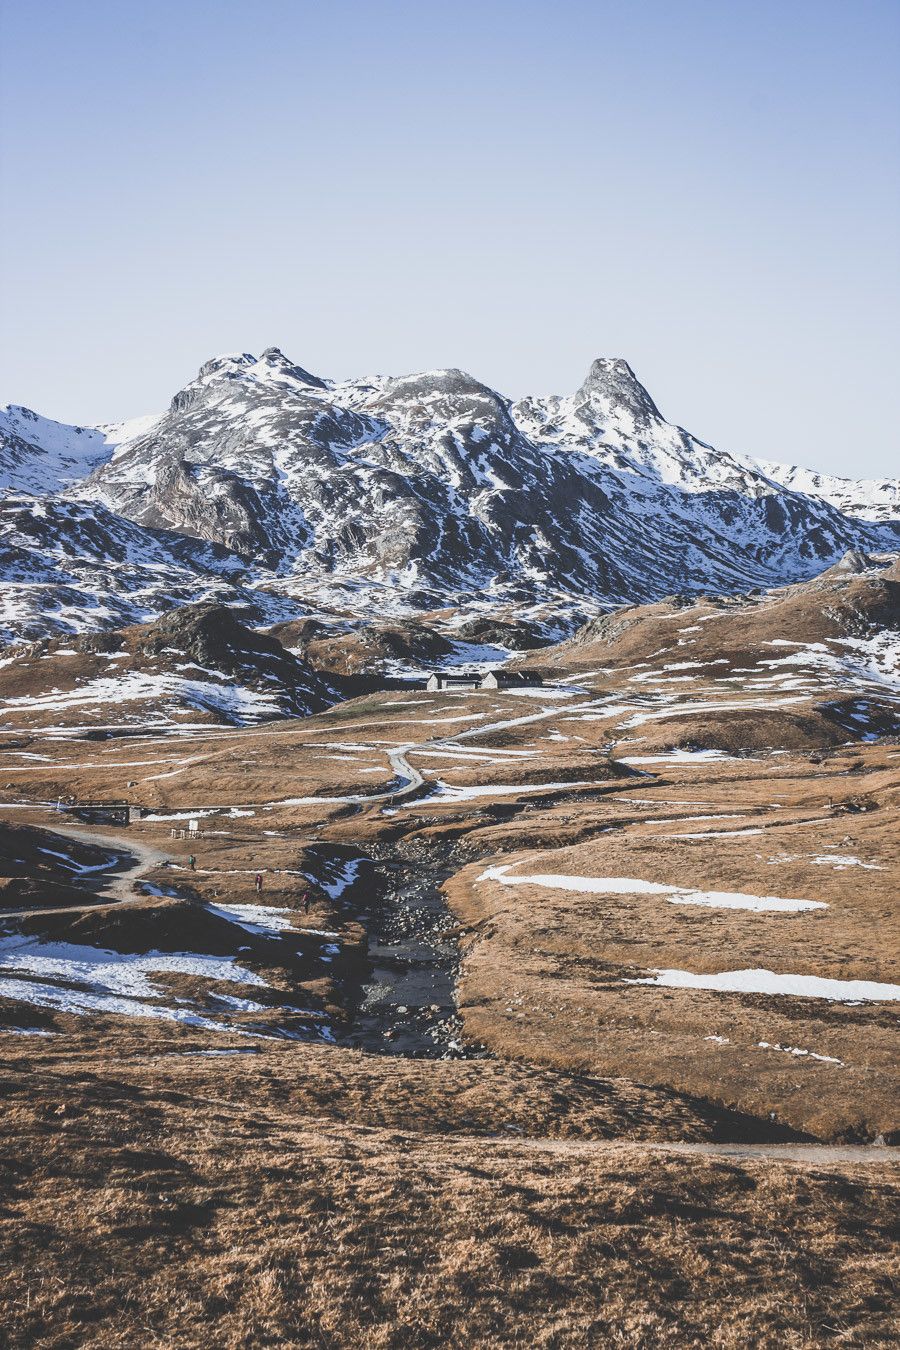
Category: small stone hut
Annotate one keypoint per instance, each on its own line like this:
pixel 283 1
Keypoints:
pixel 442 679
pixel 511 679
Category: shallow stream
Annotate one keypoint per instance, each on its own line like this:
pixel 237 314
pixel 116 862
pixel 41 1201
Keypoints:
pixel 407 1000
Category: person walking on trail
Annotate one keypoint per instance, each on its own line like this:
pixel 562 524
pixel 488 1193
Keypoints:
pixel 258 882
pixel 192 863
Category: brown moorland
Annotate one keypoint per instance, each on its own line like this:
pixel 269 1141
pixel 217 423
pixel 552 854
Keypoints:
pixel 195 1178
pixel 176 1214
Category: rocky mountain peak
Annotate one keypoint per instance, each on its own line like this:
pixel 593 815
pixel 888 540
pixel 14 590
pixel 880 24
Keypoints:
pixel 448 393
pixel 271 366
pixel 241 370
pixel 275 359
pixel 851 564
pixel 611 382
pixel 228 364
pixel 854 561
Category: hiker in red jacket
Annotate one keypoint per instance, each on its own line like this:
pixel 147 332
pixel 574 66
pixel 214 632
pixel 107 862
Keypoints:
pixel 258 882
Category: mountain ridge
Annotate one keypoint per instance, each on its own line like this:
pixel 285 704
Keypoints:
pixel 408 492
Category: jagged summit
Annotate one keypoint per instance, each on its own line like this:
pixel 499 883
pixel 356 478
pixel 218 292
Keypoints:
pixel 227 363
pixel 275 359
pixel 244 365
pixel 611 381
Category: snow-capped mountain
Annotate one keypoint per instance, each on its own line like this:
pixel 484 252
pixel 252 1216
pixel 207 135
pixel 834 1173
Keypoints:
pixel 383 494
pixel 39 455
pixel 864 498
pixel 70 566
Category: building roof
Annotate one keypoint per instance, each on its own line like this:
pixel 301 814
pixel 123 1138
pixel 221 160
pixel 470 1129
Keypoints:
pixel 515 676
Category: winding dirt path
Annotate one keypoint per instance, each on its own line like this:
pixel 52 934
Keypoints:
pixel 116 882
pixel 813 1154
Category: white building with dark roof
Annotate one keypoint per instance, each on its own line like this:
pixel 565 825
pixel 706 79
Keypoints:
pixel 510 679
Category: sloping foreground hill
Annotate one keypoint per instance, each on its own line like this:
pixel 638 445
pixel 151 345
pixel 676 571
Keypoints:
pixel 227 1202
pixel 671 952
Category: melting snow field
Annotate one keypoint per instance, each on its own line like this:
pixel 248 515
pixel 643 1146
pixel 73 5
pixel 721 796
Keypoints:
pixel 767 982
pixel 107 981
pixel 78 1001
pixel 338 877
pixel 691 757
pixel 676 895
pixel 448 792
pixel 115 972
pixel 255 918
pixel 229 698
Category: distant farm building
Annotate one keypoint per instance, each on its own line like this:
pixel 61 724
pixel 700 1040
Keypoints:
pixel 511 679
pixel 494 679
pixel 441 680
pixel 104 813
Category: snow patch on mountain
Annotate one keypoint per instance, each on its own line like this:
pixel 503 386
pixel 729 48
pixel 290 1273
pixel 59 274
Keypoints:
pixel 41 456
pixel 875 499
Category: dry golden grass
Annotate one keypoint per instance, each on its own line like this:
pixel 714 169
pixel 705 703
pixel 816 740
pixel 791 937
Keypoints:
pixel 545 969
pixel 151 1216
pixel 331 1084
pixel 309 1195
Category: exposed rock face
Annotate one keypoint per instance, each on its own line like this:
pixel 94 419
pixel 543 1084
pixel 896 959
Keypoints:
pixel 518 636
pixel 391 494
pixel 875 499
pixel 70 566
pixel 853 562
pixel 366 649
pixel 198 662
pixel 214 638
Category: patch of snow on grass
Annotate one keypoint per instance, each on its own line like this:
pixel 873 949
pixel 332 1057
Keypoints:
pixel 115 972
pixel 78 1002
pixel 342 878
pixel 837 860
pixel 768 982
pixel 794 1050
pixel 256 918
pixel 28 1031
pixel 676 895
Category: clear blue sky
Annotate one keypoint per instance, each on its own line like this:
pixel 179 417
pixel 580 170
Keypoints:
pixel 708 188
